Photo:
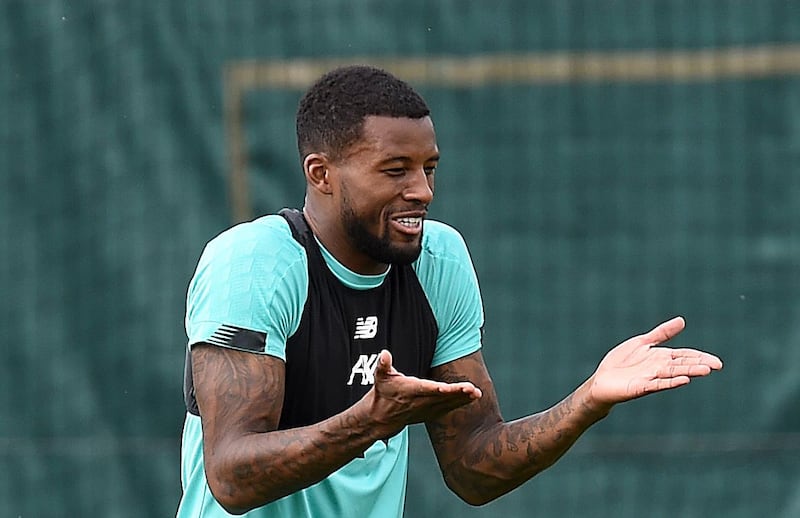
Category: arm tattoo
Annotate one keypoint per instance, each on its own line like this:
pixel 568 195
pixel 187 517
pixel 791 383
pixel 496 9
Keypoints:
pixel 240 397
pixel 482 456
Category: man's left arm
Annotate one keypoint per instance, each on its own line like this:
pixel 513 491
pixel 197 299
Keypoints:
pixel 483 457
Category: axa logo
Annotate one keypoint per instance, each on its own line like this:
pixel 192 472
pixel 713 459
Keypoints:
pixel 365 366
pixel 366 327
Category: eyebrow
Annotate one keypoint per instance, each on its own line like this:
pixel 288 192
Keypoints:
pixel 433 158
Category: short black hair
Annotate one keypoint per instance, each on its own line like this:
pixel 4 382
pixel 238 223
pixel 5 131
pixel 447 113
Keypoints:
pixel 330 116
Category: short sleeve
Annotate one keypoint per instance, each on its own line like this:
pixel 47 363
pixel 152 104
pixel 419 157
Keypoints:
pixel 249 288
pixel 448 278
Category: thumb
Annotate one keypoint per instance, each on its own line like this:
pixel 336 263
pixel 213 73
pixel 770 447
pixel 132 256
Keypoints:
pixel 384 363
pixel 666 330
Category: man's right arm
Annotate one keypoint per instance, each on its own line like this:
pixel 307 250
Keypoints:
pixel 250 463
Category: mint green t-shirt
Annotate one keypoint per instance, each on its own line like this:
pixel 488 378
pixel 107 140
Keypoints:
pixel 255 276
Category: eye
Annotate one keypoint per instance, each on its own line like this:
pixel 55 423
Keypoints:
pixel 430 170
pixel 395 171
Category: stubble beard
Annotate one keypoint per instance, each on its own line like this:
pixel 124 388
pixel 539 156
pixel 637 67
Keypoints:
pixel 381 249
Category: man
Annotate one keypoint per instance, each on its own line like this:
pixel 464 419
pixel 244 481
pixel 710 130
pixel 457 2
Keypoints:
pixel 317 337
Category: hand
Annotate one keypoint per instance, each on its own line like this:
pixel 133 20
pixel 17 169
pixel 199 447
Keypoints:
pixel 397 400
pixel 639 366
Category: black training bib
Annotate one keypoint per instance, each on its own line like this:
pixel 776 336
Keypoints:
pixel 331 358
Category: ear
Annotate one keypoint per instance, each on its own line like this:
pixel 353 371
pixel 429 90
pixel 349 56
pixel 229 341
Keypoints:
pixel 315 167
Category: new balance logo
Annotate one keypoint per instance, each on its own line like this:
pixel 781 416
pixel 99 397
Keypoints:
pixel 366 367
pixel 366 327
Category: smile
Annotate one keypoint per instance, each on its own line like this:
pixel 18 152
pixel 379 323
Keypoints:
pixel 410 222
pixel 408 225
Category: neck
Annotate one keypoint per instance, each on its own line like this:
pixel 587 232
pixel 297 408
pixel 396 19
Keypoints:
pixel 329 232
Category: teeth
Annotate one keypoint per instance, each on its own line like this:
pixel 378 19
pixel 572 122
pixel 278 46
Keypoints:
pixel 410 222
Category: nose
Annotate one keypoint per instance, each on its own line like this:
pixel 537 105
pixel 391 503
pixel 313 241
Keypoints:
pixel 419 187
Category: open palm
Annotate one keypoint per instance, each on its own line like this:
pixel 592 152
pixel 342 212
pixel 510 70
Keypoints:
pixel 640 365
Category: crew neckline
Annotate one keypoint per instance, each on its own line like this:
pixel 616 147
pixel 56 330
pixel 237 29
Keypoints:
pixel 347 276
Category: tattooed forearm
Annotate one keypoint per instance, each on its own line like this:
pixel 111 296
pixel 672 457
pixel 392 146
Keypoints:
pixel 483 457
pixel 240 396
pixel 503 456
pixel 288 460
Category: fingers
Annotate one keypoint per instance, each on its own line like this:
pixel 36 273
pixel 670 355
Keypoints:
pixel 423 387
pixel 685 362
pixel 686 356
pixel 465 388
pixel 658 385
pixel 405 400
pixel 679 371
pixel 430 387
pixel 669 329
pixel 695 357
pixel 444 404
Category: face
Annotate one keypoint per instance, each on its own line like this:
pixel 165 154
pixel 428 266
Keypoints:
pixel 384 189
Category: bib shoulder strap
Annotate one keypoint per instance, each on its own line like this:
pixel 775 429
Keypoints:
pixel 298 224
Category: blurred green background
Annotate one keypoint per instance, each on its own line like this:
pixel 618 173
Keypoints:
pixel 616 162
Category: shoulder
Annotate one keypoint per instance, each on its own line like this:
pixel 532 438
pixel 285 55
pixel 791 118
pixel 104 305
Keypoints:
pixel 441 242
pixel 252 276
pixel 444 258
pixel 267 238
pixel 266 230
pixel 259 251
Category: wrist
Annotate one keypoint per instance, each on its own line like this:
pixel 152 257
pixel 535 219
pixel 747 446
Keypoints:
pixel 590 403
pixel 366 416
